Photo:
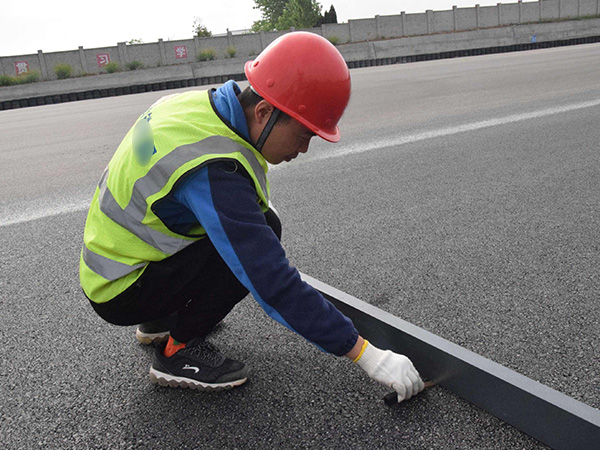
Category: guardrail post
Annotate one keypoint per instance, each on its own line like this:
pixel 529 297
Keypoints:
pixel 43 66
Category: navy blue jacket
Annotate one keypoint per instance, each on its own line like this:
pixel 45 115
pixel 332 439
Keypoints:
pixel 222 198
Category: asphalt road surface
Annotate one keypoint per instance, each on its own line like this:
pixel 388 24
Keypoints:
pixel 463 198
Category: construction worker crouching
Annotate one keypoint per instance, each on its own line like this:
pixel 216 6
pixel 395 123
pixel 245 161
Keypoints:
pixel 180 228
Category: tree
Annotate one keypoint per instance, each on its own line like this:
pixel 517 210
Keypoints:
pixel 284 14
pixel 199 29
pixel 330 16
pixel 271 12
pixel 300 14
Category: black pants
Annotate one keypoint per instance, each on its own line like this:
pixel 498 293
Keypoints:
pixel 194 282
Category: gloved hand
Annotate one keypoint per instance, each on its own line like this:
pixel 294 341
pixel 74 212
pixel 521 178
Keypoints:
pixel 391 369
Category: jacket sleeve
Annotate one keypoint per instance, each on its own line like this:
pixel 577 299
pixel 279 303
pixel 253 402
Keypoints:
pixel 223 198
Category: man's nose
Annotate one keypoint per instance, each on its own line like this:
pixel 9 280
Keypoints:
pixel 303 149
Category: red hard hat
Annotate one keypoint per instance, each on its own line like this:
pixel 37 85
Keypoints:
pixel 306 77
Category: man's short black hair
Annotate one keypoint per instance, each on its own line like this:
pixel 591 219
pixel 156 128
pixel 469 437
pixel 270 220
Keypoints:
pixel 249 99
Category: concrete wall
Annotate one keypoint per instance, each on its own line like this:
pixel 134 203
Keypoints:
pixel 530 12
pixel 508 15
pixel 363 30
pixel 589 7
pixel 340 31
pixel 466 18
pixel 389 26
pixel 550 9
pixel 443 21
pixel 356 54
pixel 148 54
pixel 165 53
pixel 415 24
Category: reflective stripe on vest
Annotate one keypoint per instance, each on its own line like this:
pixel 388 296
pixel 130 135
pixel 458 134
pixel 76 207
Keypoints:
pixel 131 217
pixel 107 268
pixel 123 234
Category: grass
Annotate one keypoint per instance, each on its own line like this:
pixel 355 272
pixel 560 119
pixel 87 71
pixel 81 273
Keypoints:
pixel 135 65
pixel 33 76
pixel 334 40
pixel 206 55
pixel 63 71
pixel 5 80
pixel 231 51
pixel 112 67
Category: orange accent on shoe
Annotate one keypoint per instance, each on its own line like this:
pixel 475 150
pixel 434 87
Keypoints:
pixel 172 347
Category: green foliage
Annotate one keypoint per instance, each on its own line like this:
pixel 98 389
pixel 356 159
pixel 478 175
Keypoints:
pixel 285 14
pixel 330 16
pixel 112 67
pixel 32 76
pixel 135 65
pixel 208 54
pixel 63 71
pixel 300 14
pixel 271 11
pixel 231 51
pixel 199 29
pixel 5 80
pixel 334 40
pixel 135 41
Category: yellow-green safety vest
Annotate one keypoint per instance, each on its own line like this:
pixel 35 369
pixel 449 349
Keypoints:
pixel 177 135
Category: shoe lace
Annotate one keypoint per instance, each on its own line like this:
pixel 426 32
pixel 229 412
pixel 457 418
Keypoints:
pixel 207 352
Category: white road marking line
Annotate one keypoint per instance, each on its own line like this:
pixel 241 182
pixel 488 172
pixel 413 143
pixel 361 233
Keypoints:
pixel 32 213
pixel 361 147
pixel 409 139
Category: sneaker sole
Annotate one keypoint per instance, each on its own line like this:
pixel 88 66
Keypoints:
pixel 151 338
pixel 164 379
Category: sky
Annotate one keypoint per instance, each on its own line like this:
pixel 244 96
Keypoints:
pixel 29 26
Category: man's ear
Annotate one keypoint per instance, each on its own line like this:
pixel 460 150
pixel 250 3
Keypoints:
pixel 262 112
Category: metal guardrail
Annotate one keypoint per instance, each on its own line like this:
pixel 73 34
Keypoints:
pixel 547 415
pixel 177 84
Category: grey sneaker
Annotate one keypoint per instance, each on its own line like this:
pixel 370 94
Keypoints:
pixel 156 331
pixel 198 366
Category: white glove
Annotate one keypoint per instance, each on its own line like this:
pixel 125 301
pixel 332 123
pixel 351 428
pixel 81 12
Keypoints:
pixel 391 369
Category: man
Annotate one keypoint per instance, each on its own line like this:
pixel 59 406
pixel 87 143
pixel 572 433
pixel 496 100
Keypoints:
pixel 181 229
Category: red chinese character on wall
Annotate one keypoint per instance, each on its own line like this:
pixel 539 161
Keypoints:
pixel 21 67
pixel 180 51
pixel 103 59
